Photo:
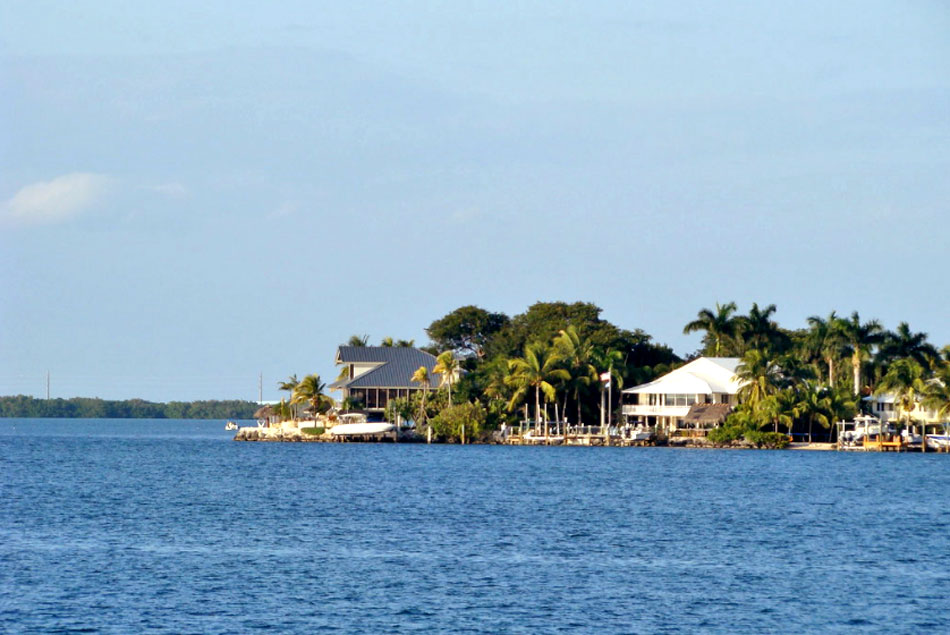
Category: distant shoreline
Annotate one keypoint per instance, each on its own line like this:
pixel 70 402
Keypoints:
pixel 26 407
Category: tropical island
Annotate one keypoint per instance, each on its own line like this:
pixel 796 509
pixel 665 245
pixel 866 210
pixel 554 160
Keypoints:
pixel 560 367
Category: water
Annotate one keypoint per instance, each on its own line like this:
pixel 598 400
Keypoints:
pixel 127 526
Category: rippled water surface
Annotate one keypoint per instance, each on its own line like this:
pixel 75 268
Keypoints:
pixel 127 526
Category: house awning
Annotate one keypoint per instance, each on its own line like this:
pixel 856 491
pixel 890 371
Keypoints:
pixel 707 414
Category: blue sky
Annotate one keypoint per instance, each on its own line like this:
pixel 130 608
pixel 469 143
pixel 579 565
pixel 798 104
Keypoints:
pixel 190 196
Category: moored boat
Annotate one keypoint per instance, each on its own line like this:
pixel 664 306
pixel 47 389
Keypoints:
pixel 344 429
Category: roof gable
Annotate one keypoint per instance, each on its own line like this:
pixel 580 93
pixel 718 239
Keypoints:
pixel 704 375
pixel 397 364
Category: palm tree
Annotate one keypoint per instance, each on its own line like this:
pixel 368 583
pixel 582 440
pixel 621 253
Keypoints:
pixel 282 410
pixel 905 343
pixel 759 330
pixel 405 343
pixel 779 409
pixel 720 326
pixel 937 393
pixel 310 390
pixel 576 353
pixel 422 376
pixel 350 403
pixel 825 339
pixel 860 338
pixel 537 369
pixel 387 342
pixel 611 361
pixel 358 340
pixel 495 373
pixel 905 380
pixel 761 377
pixel 841 405
pixel 290 385
pixel 447 366
pixel 814 405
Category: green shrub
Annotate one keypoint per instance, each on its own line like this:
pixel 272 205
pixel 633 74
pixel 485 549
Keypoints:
pixel 447 425
pixel 314 431
pixel 726 434
pixel 770 440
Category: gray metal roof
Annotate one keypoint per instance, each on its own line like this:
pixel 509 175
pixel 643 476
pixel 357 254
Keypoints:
pixel 398 365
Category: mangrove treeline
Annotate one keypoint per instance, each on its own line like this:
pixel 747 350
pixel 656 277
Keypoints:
pixel 94 408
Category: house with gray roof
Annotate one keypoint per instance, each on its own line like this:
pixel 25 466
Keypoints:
pixel 376 374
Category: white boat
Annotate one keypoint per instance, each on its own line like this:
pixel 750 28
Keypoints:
pixel 362 428
pixel 639 433
pixel 938 441
pixel 230 425
pixel 851 434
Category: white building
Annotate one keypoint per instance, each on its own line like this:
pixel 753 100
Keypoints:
pixel 664 403
pixel 885 408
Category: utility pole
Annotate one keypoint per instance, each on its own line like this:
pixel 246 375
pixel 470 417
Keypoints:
pixel 260 388
pixel 47 385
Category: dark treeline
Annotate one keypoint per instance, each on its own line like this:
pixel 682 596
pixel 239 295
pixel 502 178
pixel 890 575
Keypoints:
pixel 94 408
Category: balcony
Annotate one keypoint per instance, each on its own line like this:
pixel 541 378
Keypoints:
pixel 655 411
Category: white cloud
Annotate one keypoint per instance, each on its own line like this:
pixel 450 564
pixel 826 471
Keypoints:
pixel 171 190
pixel 56 201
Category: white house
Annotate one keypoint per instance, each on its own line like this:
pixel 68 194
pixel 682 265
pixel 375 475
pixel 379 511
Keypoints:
pixel 885 408
pixel 666 402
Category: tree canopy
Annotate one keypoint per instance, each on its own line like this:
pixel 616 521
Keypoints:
pixel 466 330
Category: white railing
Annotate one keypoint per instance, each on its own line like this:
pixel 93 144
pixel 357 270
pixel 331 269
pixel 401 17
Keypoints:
pixel 655 411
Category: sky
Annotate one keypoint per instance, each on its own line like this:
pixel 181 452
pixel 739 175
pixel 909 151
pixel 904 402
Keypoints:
pixel 192 197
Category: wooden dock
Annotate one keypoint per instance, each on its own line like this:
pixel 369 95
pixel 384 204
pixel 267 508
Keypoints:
pixel 583 437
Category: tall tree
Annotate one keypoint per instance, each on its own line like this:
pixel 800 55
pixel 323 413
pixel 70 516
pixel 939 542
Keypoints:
pixel 779 408
pixel 720 327
pixel 860 338
pixel 358 340
pixel 905 343
pixel 310 391
pixel 387 342
pixel 761 377
pixel 575 353
pixel 759 330
pixel 825 340
pixel 466 330
pixel 937 392
pixel 447 366
pixel 289 385
pixel 814 406
pixel 538 369
pixel 906 381
pixel 422 377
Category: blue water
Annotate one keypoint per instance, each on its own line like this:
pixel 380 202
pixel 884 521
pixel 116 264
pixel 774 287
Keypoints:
pixel 169 526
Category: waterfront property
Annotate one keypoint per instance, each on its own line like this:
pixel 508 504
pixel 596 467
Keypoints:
pixel 374 375
pixel 886 408
pixel 692 399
